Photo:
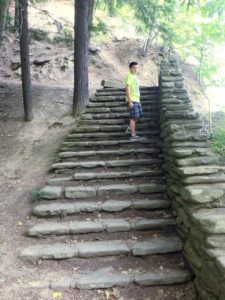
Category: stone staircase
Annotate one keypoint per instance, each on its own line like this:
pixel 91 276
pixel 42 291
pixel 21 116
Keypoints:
pixel 105 205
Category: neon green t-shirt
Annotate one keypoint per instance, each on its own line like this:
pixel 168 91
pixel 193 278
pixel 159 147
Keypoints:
pixel 131 80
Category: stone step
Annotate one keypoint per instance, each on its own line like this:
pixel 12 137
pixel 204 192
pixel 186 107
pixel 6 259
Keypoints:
pixel 68 208
pixel 108 278
pixel 93 226
pixel 111 104
pixel 142 88
pixel 121 109
pixel 116 175
pixel 85 192
pixel 122 92
pixel 146 141
pixel 97 116
pixel 102 135
pixel 102 248
pixel 150 121
pixel 107 163
pixel 119 152
pixel 108 128
pixel 87 176
pixel 119 175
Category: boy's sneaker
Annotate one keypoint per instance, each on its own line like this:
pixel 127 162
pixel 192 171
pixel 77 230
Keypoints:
pixel 128 130
pixel 135 137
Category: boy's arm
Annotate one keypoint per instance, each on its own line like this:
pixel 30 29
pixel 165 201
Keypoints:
pixel 130 103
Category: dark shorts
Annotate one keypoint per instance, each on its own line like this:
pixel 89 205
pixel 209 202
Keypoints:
pixel 136 111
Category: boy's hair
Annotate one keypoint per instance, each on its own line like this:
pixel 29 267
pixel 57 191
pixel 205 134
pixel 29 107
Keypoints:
pixel 133 63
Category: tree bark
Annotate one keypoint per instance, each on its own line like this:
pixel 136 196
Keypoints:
pixel 4 5
pixel 81 93
pixel 25 62
pixel 90 13
pixel 16 16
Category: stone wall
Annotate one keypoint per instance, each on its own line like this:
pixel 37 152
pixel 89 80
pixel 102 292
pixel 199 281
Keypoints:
pixel 196 184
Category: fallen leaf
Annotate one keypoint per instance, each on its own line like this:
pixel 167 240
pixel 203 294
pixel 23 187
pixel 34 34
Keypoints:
pixel 107 294
pixel 56 294
pixel 20 223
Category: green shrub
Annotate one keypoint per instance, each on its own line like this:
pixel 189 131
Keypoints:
pixel 38 34
pixel 64 36
pixel 218 140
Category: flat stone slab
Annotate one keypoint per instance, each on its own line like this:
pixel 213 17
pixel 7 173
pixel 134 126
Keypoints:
pixel 117 189
pixel 157 245
pixel 55 209
pixel 119 152
pixel 109 277
pixel 103 278
pixel 116 225
pixel 116 205
pixel 102 248
pixel 116 175
pixel 108 163
pixel 80 192
pixel 110 143
pixel 145 224
pixel 56 251
pixel 165 277
pixel 197 170
pixel 89 226
pixel 211 220
pixel 50 192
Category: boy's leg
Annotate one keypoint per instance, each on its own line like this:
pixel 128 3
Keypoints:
pixel 133 126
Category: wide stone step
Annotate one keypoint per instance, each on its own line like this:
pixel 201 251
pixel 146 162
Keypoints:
pixel 153 105
pixel 119 175
pixel 84 192
pixel 93 226
pixel 108 128
pixel 116 175
pixel 99 110
pixel 107 163
pixel 123 93
pixel 142 89
pixel 104 135
pixel 150 121
pixel 68 208
pixel 108 277
pixel 93 116
pixel 55 209
pixel 102 248
pixel 119 152
pixel 146 141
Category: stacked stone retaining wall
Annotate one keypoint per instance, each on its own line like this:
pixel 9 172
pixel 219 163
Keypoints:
pixel 196 183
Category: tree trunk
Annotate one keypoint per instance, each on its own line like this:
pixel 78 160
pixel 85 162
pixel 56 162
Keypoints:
pixel 16 16
pixel 4 5
pixel 25 63
pixel 90 13
pixel 81 94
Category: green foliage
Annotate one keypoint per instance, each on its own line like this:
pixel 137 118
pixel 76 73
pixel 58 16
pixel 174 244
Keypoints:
pixel 38 34
pixel 64 36
pixel 218 140
pixel 98 28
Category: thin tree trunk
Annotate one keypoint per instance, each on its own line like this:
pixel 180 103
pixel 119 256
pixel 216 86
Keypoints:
pixel 16 16
pixel 90 13
pixel 4 5
pixel 81 93
pixel 25 63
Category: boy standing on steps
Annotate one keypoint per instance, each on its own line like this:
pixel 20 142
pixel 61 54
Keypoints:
pixel 133 99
